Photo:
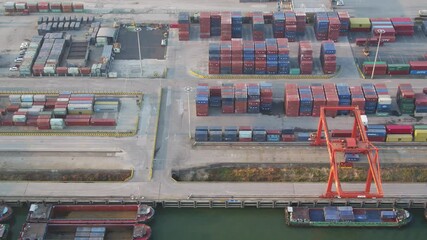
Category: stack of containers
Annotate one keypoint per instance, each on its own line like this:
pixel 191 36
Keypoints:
pixel 57 123
pixel 258 26
pixel 9 7
pixel 420 105
pixel 32 7
pixel 225 64
pixel 385 24
pixel 230 134
pixel 21 7
pixel 266 97
pixel 420 133
pixel 241 98
pixel 305 59
pixel 321 25
pixel 424 27
pixel 371 98
pixel 376 133
pixel 30 55
pixel 201 134
pixel 384 100
pixel 278 25
pixel 360 25
pixel 55 7
pixel 292 100
pixel 227 98
pixel 226 26
pixel 288 135
pixel 357 98
pixel 301 21
pixel 254 98
pixel 398 69
pixel 67 7
pixel 271 45
pixel 283 56
pixel 345 22
pixel 403 26
pixel 245 134
pixel 205 24
pixel 202 100
pixel 215 134
pixel 43 122
pixel 214 58
pixel 290 26
pixel 215 24
pixel 380 68
pixel 42 57
pixel 268 17
pixel 260 57
pixel 273 135
pixel 328 57
pixel 399 133
pixel 215 96
pixel 101 104
pixel 319 99
pixel 184 26
pixel 344 97
pixel 55 56
pixel 259 134
pixel 236 56
pixel 306 101
pixel 248 57
pixel 405 98
pixel 332 99
pixel 334 26
pixel 43 7
pixel 236 25
pixel 418 67
pixel 78 7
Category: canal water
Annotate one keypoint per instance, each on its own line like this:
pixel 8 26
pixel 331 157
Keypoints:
pixel 251 223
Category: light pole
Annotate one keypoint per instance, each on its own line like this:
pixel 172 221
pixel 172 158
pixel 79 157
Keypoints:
pixel 137 30
pixel 380 31
pixel 188 90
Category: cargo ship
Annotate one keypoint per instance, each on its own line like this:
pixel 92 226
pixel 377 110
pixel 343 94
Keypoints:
pixel 90 214
pixel 90 231
pixel 346 216
pixel 5 213
pixel 4 231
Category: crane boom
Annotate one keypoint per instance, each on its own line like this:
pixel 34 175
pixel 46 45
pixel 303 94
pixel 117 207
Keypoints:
pixel 358 143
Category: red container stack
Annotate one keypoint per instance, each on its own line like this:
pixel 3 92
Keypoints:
pixel 266 97
pixel 403 26
pixel 77 121
pixel 291 100
pixel 305 59
pixel 328 57
pixel 319 99
pixel 301 22
pixel 43 6
pixel 380 68
pixel 43 122
pixel 67 7
pixel 241 98
pixel 226 26
pixel 260 57
pixel 358 98
pixel 103 122
pixel 184 26
pixel 32 7
pixel 290 26
pixel 345 22
pixel 258 26
pixel 225 56
pixel 332 99
pixel 227 98
pixel 334 28
pixel 236 56
pixel 205 24
pixel 385 24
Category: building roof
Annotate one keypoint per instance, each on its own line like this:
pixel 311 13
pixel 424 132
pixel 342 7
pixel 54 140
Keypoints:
pixel 106 32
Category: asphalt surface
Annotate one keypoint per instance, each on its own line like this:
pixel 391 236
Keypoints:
pixel 173 144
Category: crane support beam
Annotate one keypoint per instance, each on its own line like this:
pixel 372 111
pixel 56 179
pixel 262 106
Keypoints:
pixel 357 143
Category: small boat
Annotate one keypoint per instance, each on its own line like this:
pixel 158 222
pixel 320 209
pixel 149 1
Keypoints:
pixel 145 213
pixel 5 213
pixel 346 216
pixel 141 232
pixel 4 231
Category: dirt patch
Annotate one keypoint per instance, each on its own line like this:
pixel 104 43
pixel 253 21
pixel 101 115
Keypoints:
pixel 298 173
pixel 66 175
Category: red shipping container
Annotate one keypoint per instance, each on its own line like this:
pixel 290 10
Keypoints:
pixel 12 108
pixel 341 133
pixel 399 129
pixel 418 65
pixel 78 116
pixel 7 121
pixel 32 122
pixel 103 122
pixel 77 122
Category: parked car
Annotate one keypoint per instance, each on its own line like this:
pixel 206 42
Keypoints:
pixel 19 60
pixel 13 69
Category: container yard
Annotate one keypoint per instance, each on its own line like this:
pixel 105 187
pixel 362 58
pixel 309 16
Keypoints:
pixel 243 105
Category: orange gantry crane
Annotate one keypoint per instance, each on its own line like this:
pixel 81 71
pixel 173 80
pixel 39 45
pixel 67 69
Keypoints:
pixel 358 143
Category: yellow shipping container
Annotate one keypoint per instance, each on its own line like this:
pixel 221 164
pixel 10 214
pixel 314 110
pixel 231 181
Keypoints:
pixel 107 103
pixel 399 138
pixel 420 136
pixel 360 23
pixel 80 112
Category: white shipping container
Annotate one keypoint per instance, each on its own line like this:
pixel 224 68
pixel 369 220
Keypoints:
pixel 15 98
pixel 73 70
pixel 56 122
pixel 384 99
pixel 27 98
pixel 19 118
pixel 62 99
pixel 57 127
pixel 245 134
pixel 26 104
pixel 39 98
pixel 23 109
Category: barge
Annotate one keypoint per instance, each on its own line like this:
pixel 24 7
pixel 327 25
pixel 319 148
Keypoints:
pixel 90 214
pixel 94 231
pixel 346 216
pixel 5 213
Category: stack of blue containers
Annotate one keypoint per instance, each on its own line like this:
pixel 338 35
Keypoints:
pixel 278 25
pixel 283 59
pixel 377 133
pixel 230 134
pixel 371 98
pixel 253 98
pixel 266 97
pixel 248 57
pixel 291 30
pixel 201 134
pixel 236 24
pixel 344 97
pixel 259 134
pixel 215 24
pixel 214 51
pixel 215 134
pixel 225 57
pixel 271 46
pixel 306 101
pixel 321 25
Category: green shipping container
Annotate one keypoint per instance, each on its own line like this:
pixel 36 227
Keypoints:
pixel 294 71
pixel 420 127
pixel 372 63
pixel 398 67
